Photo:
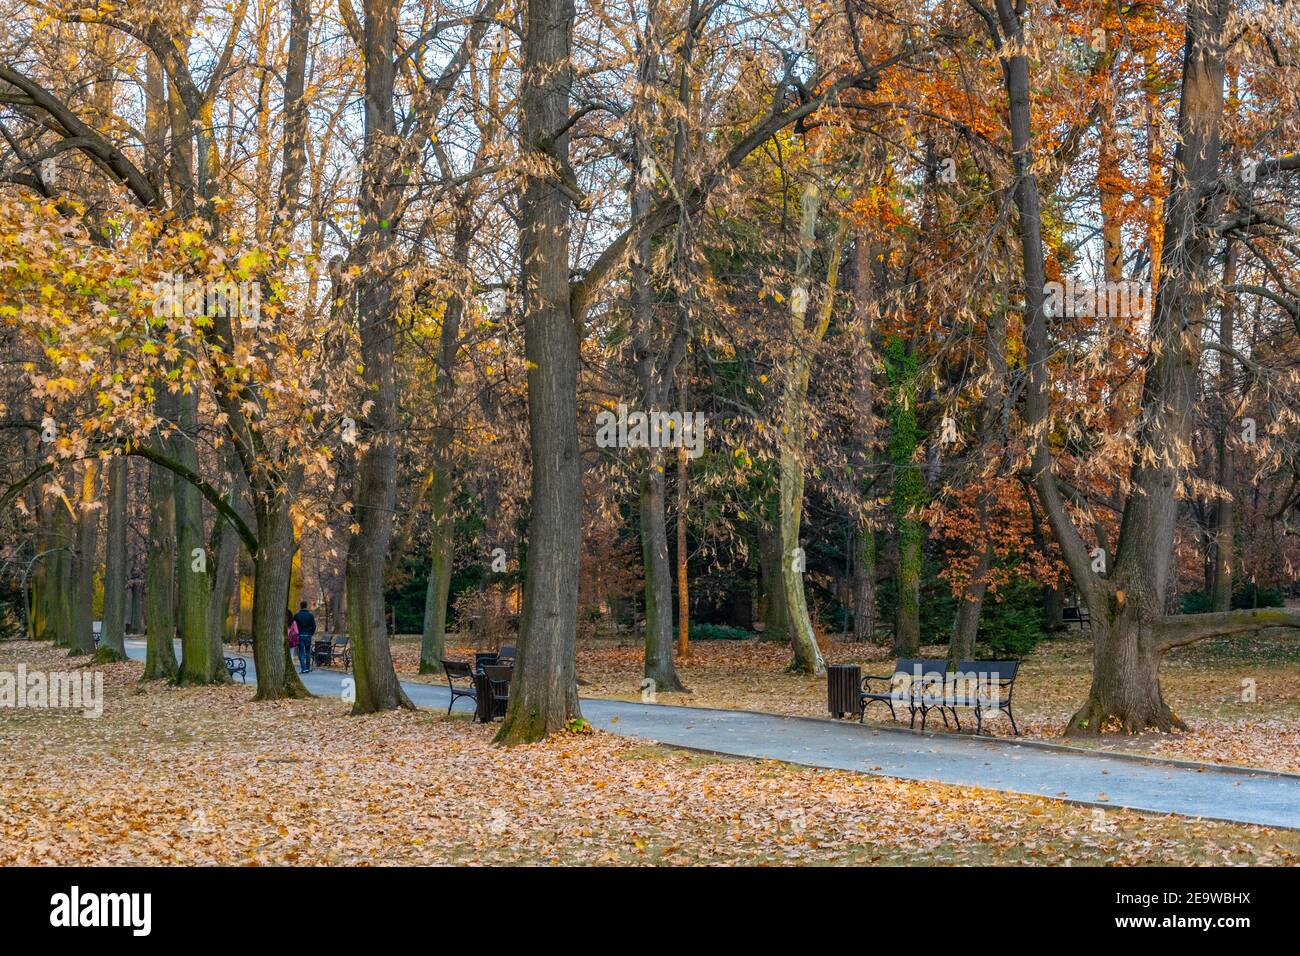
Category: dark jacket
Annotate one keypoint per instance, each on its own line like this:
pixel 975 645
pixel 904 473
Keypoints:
pixel 306 623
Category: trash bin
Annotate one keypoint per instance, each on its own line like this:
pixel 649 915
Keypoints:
pixel 843 687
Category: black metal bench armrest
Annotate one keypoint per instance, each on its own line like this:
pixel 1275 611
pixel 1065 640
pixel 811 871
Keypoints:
pixel 866 687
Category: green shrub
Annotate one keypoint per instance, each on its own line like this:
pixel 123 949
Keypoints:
pixel 718 632
pixel 1013 622
pixel 1247 596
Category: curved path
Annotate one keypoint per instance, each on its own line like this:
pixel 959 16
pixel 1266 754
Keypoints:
pixel 1103 780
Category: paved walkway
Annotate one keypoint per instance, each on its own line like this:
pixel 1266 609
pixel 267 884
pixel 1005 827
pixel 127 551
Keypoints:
pixel 1099 779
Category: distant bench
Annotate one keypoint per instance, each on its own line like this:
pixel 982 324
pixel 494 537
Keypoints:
pixel 237 665
pixel 923 685
pixel 328 648
pixel 1076 614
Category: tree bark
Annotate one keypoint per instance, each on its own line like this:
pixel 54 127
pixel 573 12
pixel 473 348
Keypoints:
pixel 85 562
pixel 375 500
pixel 683 576
pixel 776 616
pixel 433 638
pixel 658 577
pixel 864 558
pixel 971 600
pixel 277 677
pixel 38 604
pixel 1127 608
pixel 1222 547
pixel 969 605
pixel 1121 690
pixel 135 619
pixel 806 656
pixel 60 545
pixel 224 547
pixel 544 692
pixel 654 360
pixel 1125 690
pixel 900 365
pixel 197 665
pixel 160 569
pixel 112 637
pixel 225 577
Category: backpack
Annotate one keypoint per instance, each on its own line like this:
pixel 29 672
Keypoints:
pixel 293 633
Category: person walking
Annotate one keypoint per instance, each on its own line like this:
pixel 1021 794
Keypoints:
pixel 306 629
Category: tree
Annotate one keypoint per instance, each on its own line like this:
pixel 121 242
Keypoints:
pixel 1132 630
pixel 543 693
pixel 113 631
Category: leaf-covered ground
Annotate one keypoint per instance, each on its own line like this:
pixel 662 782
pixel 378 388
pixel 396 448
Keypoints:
pixel 204 775
pixel 1208 684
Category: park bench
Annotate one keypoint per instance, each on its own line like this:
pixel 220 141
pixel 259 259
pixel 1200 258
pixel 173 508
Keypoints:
pixel 898 685
pixel 1077 614
pixel 327 648
pixel 498 682
pixel 237 665
pixel 923 685
pixel 462 671
pixel 244 639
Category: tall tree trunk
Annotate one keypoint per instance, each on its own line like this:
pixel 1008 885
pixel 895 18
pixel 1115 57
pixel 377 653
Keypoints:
pixel 375 500
pixel 658 576
pixel 198 665
pixel 1125 687
pixel 135 615
pixel 225 577
pixel 277 677
pixel 112 646
pixel 806 656
pixel 776 615
pixel 900 364
pixel 86 561
pixel 544 692
pixel 864 585
pixel 864 558
pixel 685 249
pixel 683 576
pixel 433 638
pixel 36 602
pixel 67 604
pixel 1222 548
pixel 157 609
pixel 653 363
pixel 60 542
pixel 971 600
pixel 971 603
pixel 1131 631
pixel 224 548
pixel 160 570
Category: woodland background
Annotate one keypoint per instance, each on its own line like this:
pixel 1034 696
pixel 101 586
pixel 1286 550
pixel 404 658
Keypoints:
pixel 474 226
